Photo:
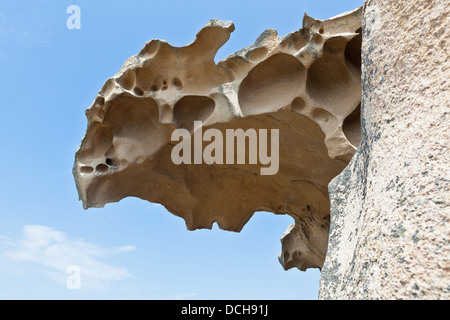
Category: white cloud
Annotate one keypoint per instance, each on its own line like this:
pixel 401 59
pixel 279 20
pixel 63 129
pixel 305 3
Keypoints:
pixel 53 252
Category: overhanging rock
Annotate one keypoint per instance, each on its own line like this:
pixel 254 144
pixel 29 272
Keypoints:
pixel 306 84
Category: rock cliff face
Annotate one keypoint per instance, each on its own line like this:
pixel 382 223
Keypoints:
pixel 306 85
pixel 390 207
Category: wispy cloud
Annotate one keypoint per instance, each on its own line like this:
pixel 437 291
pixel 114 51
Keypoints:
pixel 52 251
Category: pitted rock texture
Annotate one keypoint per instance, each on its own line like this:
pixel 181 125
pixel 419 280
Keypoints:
pixel 306 84
pixel 389 235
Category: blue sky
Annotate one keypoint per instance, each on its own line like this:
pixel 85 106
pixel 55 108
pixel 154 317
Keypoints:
pixel 132 249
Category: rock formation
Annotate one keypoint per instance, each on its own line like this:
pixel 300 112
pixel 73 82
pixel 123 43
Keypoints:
pixel 389 231
pixel 390 207
pixel 306 84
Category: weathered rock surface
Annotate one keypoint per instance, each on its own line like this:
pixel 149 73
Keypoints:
pixel 306 84
pixel 389 236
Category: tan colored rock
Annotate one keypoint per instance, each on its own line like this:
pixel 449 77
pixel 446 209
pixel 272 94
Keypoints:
pixel 305 84
pixel 389 236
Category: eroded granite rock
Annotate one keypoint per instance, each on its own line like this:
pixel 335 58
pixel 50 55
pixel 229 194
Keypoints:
pixel 306 84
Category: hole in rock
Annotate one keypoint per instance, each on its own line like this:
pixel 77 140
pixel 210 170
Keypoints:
pixel 298 105
pixel 299 41
pixel 127 80
pixel 138 91
pixel 271 85
pixel 98 141
pixel 149 75
pixel 132 121
pixel 177 83
pixel 321 115
pixel 100 101
pixel 331 84
pixel 150 49
pixel 353 50
pixel 192 108
pixel 101 168
pixel 352 127
pixel 86 169
pixel 335 46
pixel 317 38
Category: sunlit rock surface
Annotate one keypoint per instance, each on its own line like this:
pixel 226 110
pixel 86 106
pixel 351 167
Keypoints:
pixel 306 84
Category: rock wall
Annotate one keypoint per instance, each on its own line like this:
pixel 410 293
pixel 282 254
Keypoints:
pixel 390 207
